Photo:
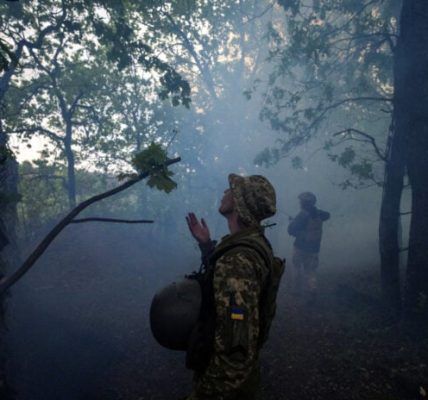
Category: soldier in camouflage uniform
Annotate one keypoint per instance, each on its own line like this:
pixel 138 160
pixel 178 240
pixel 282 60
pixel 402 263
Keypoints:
pixel 307 229
pixel 238 281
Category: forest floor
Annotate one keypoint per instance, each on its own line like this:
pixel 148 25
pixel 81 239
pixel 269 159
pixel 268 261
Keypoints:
pixel 78 330
pixel 340 348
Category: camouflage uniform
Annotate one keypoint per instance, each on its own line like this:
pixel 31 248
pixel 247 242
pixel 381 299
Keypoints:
pixel 307 229
pixel 239 277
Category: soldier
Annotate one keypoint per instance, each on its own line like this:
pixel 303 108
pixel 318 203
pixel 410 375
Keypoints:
pixel 307 229
pixel 243 282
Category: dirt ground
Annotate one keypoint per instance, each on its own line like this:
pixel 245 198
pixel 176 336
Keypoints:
pixel 78 330
pixel 338 348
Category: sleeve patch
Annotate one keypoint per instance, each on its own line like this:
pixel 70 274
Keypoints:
pixel 237 314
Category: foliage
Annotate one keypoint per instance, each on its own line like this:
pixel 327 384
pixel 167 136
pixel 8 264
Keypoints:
pixel 6 56
pixel 332 70
pixel 152 159
pixel 117 54
pixel 5 153
pixel 78 54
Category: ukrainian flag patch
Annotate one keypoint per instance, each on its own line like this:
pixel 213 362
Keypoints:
pixel 237 314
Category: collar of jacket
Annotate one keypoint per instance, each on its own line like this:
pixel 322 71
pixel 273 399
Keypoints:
pixel 253 230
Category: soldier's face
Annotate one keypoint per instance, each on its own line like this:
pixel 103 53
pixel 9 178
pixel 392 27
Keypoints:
pixel 227 204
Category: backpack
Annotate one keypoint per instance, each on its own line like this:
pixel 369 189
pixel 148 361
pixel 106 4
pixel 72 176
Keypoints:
pixel 201 342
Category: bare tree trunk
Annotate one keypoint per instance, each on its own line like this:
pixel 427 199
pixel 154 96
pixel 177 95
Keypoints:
pixel 395 168
pixel 71 172
pixel 389 223
pixel 413 75
pixel 8 198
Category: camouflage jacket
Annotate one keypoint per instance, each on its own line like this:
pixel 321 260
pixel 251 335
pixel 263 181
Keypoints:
pixel 238 280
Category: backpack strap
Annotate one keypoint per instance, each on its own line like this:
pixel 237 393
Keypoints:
pixel 262 250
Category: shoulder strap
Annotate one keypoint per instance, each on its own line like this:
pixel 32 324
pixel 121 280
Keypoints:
pixel 262 250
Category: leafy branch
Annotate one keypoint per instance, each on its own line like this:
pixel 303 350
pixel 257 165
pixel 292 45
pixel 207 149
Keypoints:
pixel 151 170
pixel 367 138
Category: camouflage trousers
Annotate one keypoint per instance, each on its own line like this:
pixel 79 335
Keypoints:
pixel 305 271
pixel 250 390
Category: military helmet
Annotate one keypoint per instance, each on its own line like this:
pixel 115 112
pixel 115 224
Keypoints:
pixel 174 312
pixel 254 198
pixel 308 198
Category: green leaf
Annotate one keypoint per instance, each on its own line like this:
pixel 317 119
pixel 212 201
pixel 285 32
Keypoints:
pixel 152 159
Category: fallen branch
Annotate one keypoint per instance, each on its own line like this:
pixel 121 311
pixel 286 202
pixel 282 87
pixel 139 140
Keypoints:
pixel 9 281
pixel 123 221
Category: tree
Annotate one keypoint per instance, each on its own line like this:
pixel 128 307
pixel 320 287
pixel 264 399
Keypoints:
pixel 151 163
pixel 64 109
pixel 69 75
pixel 411 136
pixel 340 54
pixel 334 81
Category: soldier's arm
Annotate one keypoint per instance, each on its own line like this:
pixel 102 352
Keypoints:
pixel 237 287
pixel 324 215
pixel 298 224
pixel 206 250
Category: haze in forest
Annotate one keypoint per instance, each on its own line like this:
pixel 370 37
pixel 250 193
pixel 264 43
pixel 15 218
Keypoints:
pixel 308 95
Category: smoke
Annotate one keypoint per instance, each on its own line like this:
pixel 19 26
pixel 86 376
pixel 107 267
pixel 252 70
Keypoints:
pixel 78 322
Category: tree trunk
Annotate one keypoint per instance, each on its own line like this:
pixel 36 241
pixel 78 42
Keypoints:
pixel 395 168
pixel 71 173
pixel 8 219
pixel 389 223
pixel 413 77
pixel 8 200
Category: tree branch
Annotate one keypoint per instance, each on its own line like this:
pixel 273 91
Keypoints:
pixel 369 138
pixel 52 135
pixel 252 18
pixel 76 102
pixel 5 79
pixel 124 221
pixel 9 281
pixel 203 68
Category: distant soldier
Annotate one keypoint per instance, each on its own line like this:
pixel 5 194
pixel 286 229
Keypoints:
pixel 242 281
pixel 307 229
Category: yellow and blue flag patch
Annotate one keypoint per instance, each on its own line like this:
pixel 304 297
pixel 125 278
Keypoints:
pixel 237 314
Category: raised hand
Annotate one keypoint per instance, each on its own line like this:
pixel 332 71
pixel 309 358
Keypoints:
pixel 199 230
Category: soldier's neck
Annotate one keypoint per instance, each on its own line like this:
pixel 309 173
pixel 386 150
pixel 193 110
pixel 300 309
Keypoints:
pixel 234 223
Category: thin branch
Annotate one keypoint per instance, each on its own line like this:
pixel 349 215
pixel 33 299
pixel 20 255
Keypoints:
pixel 6 78
pixel 202 66
pixel 175 132
pixel 124 221
pixel 9 281
pixel 38 43
pixel 269 7
pixel 369 138
pixel 75 102
pixel 52 135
